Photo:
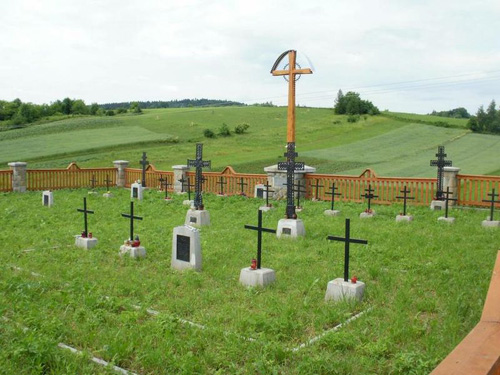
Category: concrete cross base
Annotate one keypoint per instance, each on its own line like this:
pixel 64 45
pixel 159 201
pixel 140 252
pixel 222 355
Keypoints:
pixel 188 203
pixel 92 192
pixel 197 218
pixel 404 218
pixel 449 220
pixel 491 223
pixel 108 195
pixel 299 209
pixel 332 212
pixel 438 205
pixel 85 243
pixel 222 195
pixel 134 252
pixel 181 192
pixel 367 215
pixel 47 198
pixel 259 277
pixel 167 200
pixel 291 228
pixel 266 208
pixel 339 289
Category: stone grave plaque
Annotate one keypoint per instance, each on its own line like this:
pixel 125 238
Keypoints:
pixel 192 220
pixel 135 192
pixel 260 193
pixel 287 231
pixel 183 251
pixel 45 200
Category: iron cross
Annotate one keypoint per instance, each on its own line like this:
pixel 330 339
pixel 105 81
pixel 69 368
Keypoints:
pixel 298 189
pixel 347 240
pixel 447 198
pixel 290 165
pixel 182 181
pixel 405 198
pixel 92 182
pixel 316 186
pixel 242 184
pixel 132 218
pixel 164 183
pixel 267 191
pixel 369 195
pixel 440 163
pixel 333 194
pixel 85 212
pixel 107 181
pixel 144 164
pixel 199 164
pixel 189 186
pixel 221 183
pixel 492 201
pixel 259 230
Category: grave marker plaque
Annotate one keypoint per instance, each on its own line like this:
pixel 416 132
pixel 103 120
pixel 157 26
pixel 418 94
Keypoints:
pixel 183 248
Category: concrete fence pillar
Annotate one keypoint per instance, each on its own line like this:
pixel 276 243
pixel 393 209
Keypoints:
pixel 120 166
pixel 450 180
pixel 179 173
pixel 277 178
pixel 18 176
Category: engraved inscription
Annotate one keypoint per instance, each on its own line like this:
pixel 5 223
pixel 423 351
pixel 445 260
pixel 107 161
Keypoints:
pixel 183 251
pixel 286 231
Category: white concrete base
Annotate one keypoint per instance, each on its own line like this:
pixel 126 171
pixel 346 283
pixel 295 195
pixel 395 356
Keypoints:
pixel 332 212
pixel 108 195
pixel 367 215
pixel 339 289
pixel 186 248
pixel 266 208
pixel 188 203
pixel 197 218
pixel 167 200
pixel 449 220
pixel 404 218
pixel 491 223
pixel 299 209
pixel 438 205
pixel 222 195
pixel 134 252
pixel 92 192
pixel 290 228
pixel 48 198
pixel 260 277
pixel 85 243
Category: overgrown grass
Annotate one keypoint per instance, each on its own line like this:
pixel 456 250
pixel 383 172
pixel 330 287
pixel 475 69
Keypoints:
pixel 426 283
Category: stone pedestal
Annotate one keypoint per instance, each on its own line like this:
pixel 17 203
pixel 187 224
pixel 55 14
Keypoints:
pixel 120 166
pixel 339 289
pixel 136 191
pixel 367 215
pixel 491 223
pixel 404 218
pixel 133 252
pixel 18 176
pixel 449 220
pixel 450 180
pixel 179 173
pixel 266 208
pixel 189 203
pixel 277 179
pixel 85 242
pixel 259 191
pixel 290 228
pixel 186 248
pixel 332 212
pixel 259 277
pixel 47 198
pixel 437 205
pixel 197 218
pixel 108 195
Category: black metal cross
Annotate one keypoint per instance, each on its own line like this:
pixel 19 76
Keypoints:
pixel 440 163
pixel 290 165
pixel 267 191
pixel 107 181
pixel 298 189
pixel 259 230
pixel 182 181
pixel 405 197
pixel 221 183
pixel 447 198
pixel 492 201
pixel 198 163
pixel 242 184
pixel 333 194
pixel 369 195
pixel 347 240
pixel 132 218
pixel 92 182
pixel 144 164
pixel 316 186
pixel 85 212
pixel 189 186
pixel 164 183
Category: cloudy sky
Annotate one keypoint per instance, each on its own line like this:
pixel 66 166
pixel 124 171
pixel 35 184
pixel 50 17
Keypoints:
pixel 403 55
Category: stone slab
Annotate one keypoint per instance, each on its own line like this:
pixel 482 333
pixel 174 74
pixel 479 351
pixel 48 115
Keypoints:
pixel 266 208
pixel 260 277
pixel 133 252
pixel 332 212
pixel 491 223
pixel 438 205
pixel 136 191
pixel 404 218
pixel 367 215
pixel 85 242
pixel 197 218
pixel 108 195
pixel 449 220
pixel 48 198
pixel 186 248
pixel 339 289
pixel 291 228
pixel 189 203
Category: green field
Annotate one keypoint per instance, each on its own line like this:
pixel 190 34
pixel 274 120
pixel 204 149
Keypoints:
pixel 392 144
pixel 425 290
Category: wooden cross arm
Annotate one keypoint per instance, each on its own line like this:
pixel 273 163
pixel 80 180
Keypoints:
pixel 287 72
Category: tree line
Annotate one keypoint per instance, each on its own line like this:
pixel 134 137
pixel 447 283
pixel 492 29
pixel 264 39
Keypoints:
pixel 184 103
pixel 352 104
pixel 486 121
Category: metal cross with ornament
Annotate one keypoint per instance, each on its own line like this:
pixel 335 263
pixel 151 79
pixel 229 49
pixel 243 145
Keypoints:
pixel 144 164
pixel 440 163
pixel 290 166
pixel 199 164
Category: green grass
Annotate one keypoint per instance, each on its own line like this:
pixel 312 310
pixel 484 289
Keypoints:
pixel 426 285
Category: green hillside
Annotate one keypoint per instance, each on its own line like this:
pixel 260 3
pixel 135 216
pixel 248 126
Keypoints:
pixel 392 144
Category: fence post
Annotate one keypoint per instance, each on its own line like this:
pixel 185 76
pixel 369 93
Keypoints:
pixel 277 179
pixel 179 172
pixel 18 176
pixel 120 166
pixel 450 180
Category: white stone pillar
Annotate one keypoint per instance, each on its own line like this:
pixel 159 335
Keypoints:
pixel 120 166
pixel 450 180
pixel 277 178
pixel 18 176
pixel 179 172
